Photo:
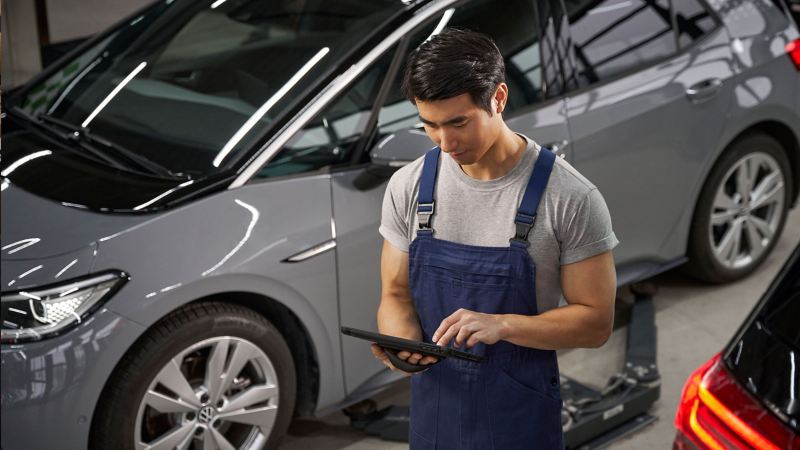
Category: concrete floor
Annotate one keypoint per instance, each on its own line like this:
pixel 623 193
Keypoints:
pixel 693 320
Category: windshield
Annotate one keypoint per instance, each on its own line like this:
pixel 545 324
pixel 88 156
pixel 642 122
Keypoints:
pixel 188 84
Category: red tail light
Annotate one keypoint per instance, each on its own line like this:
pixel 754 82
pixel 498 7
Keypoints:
pixel 793 49
pixel 716 413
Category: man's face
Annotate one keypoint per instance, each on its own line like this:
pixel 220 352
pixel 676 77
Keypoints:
pixel 460 127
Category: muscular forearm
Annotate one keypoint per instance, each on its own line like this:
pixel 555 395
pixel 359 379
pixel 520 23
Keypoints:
pixel 571 326
pixel 398 317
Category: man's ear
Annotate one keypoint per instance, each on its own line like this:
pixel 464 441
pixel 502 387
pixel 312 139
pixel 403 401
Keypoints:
pixel 500 98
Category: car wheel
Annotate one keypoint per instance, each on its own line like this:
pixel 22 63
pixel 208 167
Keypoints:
pixel 741 210
pixel 209 375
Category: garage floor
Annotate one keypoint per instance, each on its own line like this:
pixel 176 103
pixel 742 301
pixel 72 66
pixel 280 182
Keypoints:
pixel 694 321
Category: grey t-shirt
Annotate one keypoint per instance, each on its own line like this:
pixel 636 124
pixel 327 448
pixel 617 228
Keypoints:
pixel 572 222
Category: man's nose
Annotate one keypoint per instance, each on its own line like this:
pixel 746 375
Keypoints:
pixel 447 142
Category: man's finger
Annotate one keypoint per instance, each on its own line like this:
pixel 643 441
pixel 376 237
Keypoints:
pixel 463 334
pixel 474 339
pixel 449 334
pixel 381 355
pixel 403 354
pixel 428 360
pixel 378 351
pixel 414 358
pixel 446 323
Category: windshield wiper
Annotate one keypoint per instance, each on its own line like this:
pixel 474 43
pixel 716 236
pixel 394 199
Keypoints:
pixel 99 147
pixel 67 136
pixel 84 136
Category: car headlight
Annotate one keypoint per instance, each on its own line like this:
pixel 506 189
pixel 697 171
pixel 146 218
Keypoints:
pixel 39 313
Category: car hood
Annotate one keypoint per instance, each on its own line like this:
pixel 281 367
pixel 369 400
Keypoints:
pixel 44 241
pixel 47 168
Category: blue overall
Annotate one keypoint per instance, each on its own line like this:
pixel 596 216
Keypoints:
pixel 512 399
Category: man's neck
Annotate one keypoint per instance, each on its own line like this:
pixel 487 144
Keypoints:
pixel 501 157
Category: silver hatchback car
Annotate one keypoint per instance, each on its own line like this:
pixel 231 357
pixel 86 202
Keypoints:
pixel 190 200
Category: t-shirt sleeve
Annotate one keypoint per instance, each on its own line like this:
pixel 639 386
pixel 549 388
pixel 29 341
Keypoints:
pixel 394 227
pixel 589 233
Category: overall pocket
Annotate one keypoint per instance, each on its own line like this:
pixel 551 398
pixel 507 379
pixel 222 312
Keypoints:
pixel 431 294
pixel 522 417
pixel 424 408
pixel 470 271
pixel 484 298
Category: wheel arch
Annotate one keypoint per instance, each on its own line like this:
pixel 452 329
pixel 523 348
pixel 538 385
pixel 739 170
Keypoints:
pixel 787 140
pixel 285 321
pixel 774 128
pixel 294 333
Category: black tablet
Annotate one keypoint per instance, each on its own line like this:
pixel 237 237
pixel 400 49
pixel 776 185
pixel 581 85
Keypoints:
pixel 399 344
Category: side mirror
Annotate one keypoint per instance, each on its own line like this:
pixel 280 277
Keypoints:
pixel 400 148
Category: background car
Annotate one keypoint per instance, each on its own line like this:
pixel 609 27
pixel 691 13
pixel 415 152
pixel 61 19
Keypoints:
pixel 746 396
pixel 191 199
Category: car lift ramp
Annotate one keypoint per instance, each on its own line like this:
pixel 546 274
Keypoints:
pixel 591 418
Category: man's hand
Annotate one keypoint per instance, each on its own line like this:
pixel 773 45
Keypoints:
pixel 470 327
pixel 413 358
pixel 396 313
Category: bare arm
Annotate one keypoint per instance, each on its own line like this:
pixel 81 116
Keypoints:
pixel 589 287
pixel 396 313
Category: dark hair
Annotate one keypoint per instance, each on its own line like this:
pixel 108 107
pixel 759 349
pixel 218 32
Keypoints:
pixel 454 62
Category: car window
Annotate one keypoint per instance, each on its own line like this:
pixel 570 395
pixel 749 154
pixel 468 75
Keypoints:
pixel 513 28
pixel 333 135
pixel 692 20
pixel 781 319
pixel 792 7
pixel 781 310
pixel 554 28
pixel 192 85
pixel 610 37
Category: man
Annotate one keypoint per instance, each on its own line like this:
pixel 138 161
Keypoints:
pixel 483 236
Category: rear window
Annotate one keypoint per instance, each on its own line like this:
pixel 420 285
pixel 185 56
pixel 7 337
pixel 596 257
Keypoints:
pixel 692 21
pixel 781 312
pixel 794 10
pixel 762 356
pixel 613 37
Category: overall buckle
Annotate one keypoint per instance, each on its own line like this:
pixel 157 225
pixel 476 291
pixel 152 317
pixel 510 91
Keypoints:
pixel 424 213
pixel 524 225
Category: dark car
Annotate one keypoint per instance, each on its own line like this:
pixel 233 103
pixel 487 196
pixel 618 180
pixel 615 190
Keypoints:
pixel 747 395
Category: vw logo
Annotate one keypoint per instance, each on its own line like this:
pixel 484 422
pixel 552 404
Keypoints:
pixel 206 414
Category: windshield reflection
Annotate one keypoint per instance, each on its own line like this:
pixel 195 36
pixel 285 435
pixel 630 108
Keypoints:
pixel 189 84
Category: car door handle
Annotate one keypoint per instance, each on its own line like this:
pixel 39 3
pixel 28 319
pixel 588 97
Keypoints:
pixel 558 147
pixel 704 89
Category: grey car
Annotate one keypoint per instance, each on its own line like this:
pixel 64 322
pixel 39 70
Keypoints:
pixel 190 200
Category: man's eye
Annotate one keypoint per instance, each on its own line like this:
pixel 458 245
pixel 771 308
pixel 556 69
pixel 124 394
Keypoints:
pixel 460 125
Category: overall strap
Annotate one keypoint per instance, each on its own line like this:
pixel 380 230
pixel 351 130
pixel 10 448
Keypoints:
pixel 526 214
pixel 427 184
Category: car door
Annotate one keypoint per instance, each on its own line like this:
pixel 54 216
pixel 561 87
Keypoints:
pixel 326 149
pixel 648 91
pixel 358 192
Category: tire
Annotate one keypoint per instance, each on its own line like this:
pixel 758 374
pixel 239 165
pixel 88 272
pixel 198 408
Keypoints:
pixel 716 254
pixel 187 345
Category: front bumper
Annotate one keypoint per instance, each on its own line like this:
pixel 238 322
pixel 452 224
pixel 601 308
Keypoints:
pixel 50 388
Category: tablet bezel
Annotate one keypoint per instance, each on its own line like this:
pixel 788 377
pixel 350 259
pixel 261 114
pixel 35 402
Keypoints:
pixel 423 348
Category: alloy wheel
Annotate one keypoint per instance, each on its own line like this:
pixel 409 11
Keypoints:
pixel 747 210
pixel 220 393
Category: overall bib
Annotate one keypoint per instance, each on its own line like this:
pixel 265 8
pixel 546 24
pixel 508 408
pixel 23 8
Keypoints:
pixel 512 399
